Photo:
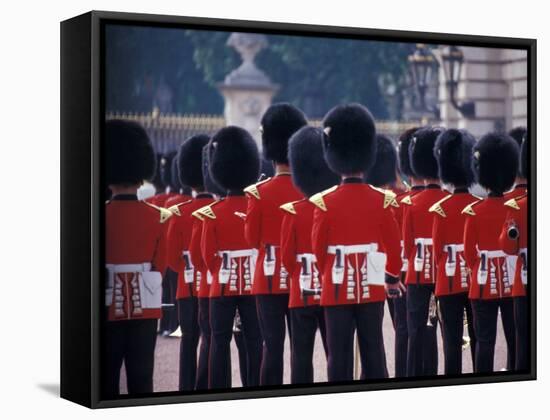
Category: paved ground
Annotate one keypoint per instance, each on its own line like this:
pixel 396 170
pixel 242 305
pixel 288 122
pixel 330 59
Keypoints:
pixel 167 350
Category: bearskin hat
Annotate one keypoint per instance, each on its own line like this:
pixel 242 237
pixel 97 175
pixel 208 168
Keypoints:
pixel 190 161
pixel 166 170
pixel 310 172
pixel 403 143
pixel 384 170
pixel 524 166
pixel 421 152
pixel 278 123
pixel 209 184
pixel 234 159
pixel 349 139
pixel 178 187
pixel 266 168
pixel 130 157
pixel 495 162
pixel 453 152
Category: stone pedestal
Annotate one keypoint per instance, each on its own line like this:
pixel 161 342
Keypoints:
pixel 247 91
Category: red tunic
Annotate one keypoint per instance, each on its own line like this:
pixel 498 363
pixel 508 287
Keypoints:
pixel 452 276
pixel 295 242
pixel 516 216
pixel 222 234
pixel 481 233
pixel 355 214
pixel 263 229
pixel 517 192
pixel 179 239
pixel 133 234
pixel 417 226
pixel 204 278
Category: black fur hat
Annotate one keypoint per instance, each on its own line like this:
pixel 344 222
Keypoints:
pixel 310 172
pixel 279 122
pixel 403 143
pixel 178 187
pixel 384 170
pixel 209 184
pixel 130 158
pixel 190 161
pixel 421 152
pixel 234 159
pixel 524 166
pixel 266 168
pixel 349 139
pixel 453 151
pixel 495 162
pixel 166 170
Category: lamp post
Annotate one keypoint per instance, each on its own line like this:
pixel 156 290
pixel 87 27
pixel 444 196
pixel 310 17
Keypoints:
pixel 452 58
pixel 423 66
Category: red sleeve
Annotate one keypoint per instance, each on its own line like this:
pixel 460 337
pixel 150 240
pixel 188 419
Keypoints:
pixel 195 245
pixel 175 244
pixel 209 245
pixel 438 238
pixel 252 225
pixel 510 246
pixel 161 257
pixel 408 234
pixel 391 240
pixel 288 242
pixel 319 236
pixel 470 242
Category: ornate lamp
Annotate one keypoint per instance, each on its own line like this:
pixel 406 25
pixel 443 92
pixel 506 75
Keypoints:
pixel 452 58
pixel 423 67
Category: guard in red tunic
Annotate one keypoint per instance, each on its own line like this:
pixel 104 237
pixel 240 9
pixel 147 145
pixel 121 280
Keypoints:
pixel 514 240
pixel 453 150
pixel 179 259
pixel 495 162
pixel 263 231
pixel 162 181
pixel 311 175
pixel 418 249
pixel 179 194
pixel 384 175
pixel 358 256
pixel 133 231
pixel 234 163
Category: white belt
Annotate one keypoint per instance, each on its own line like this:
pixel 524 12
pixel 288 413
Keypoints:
pixel 451 263
pixel 238 253
pixel 307 255
pixel 423 241
pixel 128 268
pixel 523 250
pixel 483 272
pixel 492 254
pixel 457 247
pixel 353 249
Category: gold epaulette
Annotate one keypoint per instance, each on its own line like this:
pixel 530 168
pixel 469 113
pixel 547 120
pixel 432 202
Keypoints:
pixel 253 189
pixel 205 211
pixel 512 203
pixel 165 214
pixel 318 200
pixel 406 200
pixel 175 209
pixel 389 196
pixel 436 208
pixel 289 207
pixel 469 209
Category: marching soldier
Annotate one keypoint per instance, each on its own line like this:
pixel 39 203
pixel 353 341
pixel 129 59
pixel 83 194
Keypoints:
pixel 262 231
pixel 453 150
pixel 495 162
pixel 234 163
pixel 162 180
pixel 179 258
pixel 418 249
pixel 384 175
pixel 133 285
pixel 514 241
pixel 311 175
pixel 358 256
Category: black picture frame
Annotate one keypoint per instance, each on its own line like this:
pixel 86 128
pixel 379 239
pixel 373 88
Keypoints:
pixel 82 111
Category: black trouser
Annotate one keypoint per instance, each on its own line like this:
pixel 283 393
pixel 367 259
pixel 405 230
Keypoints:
pixel 169 320
pixel 204 348
pixel 272 311
pixel 521 318
pixel 304 322
pixel 132 342
pixel 422 358
pixel 398 313
pixel 222 315
pixel 485 314
pixel 188 313
pixel 452 309
pixel 341 322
